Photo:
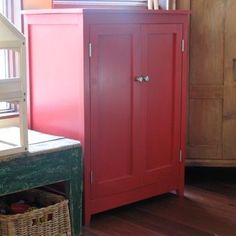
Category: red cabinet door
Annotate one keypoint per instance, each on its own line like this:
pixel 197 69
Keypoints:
pixel 161 62
pixel 135 127
pixel 115 160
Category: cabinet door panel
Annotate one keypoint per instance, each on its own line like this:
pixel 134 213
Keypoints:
pixel 113 62
pixel 161 54
pixel 206 82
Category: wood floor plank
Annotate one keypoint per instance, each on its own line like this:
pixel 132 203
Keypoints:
pixel 219 187
pixel 158 224
pixel 207 209
pixel 214 200
pixel 194 214
pixel 90 232
pixel 112 225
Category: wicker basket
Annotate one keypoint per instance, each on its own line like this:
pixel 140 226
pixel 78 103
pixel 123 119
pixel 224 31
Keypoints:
pixel 52 220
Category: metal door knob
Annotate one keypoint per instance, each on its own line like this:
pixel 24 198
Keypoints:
pixel 139 79
pixel 146 78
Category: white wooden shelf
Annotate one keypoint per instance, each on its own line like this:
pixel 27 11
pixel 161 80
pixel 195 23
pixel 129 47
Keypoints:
pixel 13 90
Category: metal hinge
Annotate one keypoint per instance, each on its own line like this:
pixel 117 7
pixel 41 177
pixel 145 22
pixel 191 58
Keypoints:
pixel 182 45
pixel 90 49
pixel 91 177
pixel 180 156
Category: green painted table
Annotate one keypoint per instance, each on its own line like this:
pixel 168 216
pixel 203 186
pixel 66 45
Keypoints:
pixel 49 160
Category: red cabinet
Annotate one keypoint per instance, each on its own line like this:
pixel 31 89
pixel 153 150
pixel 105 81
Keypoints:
pixel 116 80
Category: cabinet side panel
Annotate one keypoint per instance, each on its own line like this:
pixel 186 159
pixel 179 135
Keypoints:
pixel 56 69
pixel 203 129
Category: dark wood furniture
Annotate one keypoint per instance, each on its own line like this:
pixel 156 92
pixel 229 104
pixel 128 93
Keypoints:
pixel 212 101
pixel 118 79
pixel 48 161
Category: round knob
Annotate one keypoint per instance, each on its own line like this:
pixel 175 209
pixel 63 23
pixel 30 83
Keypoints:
pixel 146 78
pixel 139 79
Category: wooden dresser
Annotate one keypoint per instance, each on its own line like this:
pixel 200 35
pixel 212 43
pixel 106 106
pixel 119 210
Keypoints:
pixel 212 95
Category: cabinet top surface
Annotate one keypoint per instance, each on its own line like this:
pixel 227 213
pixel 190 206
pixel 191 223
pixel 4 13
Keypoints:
pixel 107 10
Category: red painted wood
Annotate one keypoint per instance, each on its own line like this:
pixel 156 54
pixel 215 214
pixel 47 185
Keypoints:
pixel 114 109
pixel 161 56
pixel 184 96
pixel 54 84
pixel 131 132
pixel 77 4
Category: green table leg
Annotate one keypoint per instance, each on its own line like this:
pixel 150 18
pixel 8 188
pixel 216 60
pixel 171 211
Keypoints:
pixel 74 192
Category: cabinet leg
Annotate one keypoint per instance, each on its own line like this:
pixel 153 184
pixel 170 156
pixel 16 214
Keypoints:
pixel 180 189
pixel 180 192
pixel 87 218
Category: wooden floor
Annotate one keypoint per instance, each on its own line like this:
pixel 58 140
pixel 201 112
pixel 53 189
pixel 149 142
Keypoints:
pixel 208 208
